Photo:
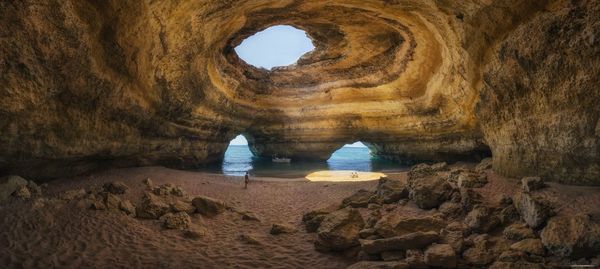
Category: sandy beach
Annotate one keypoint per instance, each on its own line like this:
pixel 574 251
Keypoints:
pixel 38 235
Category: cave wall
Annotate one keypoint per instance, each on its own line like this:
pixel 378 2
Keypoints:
pixel 87 84
pixel 540 103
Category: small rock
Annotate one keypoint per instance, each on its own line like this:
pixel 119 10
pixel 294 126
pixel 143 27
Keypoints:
pixel 112 201
pixel 364 233
pixel 417 240
pixel 312 220
pixel 485 164
pixel 127 207
pixel 481 219
pixel 249 216
pixel 164 190
pixel 359 199
pixel 182 206
pixel 178 191
pixel 532 183
pixel 10 184
pixel 517 232
pixel 208 207
pixel 517 265
pixel 392 255
pixel 249 239
pixel 420 170
pixel 194 233
pixel 277 229
pixel 116 187
pixel 469 198
pixel 439 166
pixel 440 255
pixel 451 210
pixel 471 180
pixel 22 192
pixel 151 207
pixel 485 250
pixel 535 211
pixel 179 220
pixel 453 235
pixel 378 265
pixel 148 182
pixel 415 259
pixel 531 246
pixel 72 194
pixel 34 188
pixel 339 230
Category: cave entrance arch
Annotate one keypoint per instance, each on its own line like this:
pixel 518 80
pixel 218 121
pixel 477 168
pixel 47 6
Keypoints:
pixel 238 157
pixel 279 45
pixel 356 156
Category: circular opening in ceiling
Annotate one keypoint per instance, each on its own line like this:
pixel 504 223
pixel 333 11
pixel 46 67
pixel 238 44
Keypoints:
pixel 280 45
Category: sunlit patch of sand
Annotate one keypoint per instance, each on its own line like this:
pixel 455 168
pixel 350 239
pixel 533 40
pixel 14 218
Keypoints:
pixel 344 175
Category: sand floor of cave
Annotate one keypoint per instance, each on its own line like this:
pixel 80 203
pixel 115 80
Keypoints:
pixel 69 237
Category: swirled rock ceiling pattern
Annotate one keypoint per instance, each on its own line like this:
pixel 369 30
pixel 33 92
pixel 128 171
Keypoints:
pixel 87 84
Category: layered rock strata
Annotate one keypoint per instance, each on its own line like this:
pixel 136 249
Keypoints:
pixel 86 84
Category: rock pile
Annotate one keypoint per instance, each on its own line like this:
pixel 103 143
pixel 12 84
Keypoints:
pixel 455 227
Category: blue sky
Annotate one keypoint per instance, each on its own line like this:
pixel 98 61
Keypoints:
pixel 280 45
pixel 241 140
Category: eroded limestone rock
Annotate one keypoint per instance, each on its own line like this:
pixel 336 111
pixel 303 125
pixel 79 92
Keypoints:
pixel 339 230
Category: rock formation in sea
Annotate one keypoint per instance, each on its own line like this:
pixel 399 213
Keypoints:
pixel 89 84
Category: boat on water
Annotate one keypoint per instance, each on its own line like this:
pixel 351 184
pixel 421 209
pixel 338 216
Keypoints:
pixel 281 160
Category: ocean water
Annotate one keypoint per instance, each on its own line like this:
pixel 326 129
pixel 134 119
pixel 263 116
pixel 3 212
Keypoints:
pixel 239 160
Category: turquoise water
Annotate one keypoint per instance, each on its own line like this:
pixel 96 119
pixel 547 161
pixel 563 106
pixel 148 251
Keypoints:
pixel 239 160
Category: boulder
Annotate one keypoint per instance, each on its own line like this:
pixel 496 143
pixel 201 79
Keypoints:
pixel 179 220
pixel 396 224
pixel 481 219
pixel 534 210
pixel 278 228
pixel 518 231
pixel 391 190
pixel 530 184
pixel 485 164
pixel 451 210
pixel 572 236
pixel 149 184
pixel 531 246
pixel 469 198
pixel 312 220
pixel 116 187
pixel 417 240
pixel 378 265
pixel 440 255
pixel 430 191
pixel 359 199
pixel 208 207
pixel 10 184
pixel 151 207
pixel 471 180
pixel 339 230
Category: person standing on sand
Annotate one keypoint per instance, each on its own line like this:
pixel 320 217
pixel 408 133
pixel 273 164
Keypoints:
pixel 246 180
